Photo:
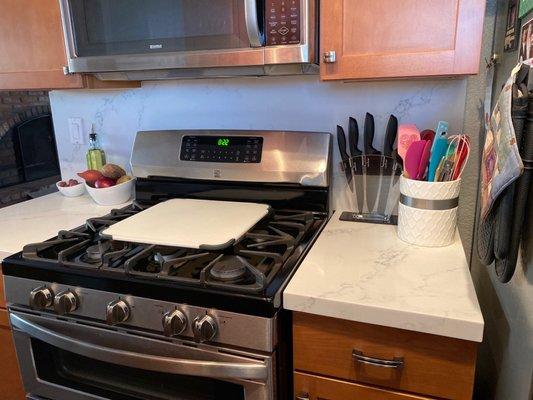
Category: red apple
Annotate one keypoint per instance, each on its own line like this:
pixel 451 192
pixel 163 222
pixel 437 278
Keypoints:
pixel 104 183
pixel 73 182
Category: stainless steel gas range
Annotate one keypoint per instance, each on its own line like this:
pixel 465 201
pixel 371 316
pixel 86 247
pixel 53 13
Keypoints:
pixel 95 318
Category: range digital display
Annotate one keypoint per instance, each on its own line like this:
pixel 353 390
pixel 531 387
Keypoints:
pixel 224 149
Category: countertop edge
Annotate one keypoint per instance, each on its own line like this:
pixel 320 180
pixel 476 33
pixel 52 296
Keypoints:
pixel 424 323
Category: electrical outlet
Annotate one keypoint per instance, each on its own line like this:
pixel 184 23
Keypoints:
pixel 75 129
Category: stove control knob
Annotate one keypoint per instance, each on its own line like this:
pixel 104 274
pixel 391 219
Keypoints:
pixel 118 311
pixel 174 323
pixel 204 328
pixel 41 297
pixel 65 302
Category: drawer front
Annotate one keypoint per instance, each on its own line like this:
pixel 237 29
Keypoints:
pixel 386 357
pixel 310 387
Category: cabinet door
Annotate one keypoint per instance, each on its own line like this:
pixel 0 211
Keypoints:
pixel 311 387
pixel 10 380
pixel 32 47
pixel 402 38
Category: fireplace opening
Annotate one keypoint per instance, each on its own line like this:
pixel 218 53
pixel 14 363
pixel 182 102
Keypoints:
pixel 29 165
pixel 35 149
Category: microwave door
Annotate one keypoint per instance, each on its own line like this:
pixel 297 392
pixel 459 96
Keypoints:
pixel 117 35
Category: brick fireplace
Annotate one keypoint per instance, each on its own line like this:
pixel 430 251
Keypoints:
pixel 23 114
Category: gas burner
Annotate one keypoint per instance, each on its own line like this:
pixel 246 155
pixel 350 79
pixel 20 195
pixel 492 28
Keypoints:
pixel 93 254
pixel 228 269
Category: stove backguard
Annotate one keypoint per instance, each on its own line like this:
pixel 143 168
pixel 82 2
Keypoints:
pixel 278 157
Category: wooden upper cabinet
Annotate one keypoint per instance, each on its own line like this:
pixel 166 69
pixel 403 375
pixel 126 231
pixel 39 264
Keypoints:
pixel 32 49
pixel 375 39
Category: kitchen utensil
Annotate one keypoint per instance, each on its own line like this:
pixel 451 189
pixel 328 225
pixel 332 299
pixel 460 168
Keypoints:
pixel 341 141
pixel 190 223
pixel 441 132
pixel 438 151
pixel 423 165
pixel 462 154
pixel 428 134
pixel 387 174
pixel 413 157
pixel 374 164
pixel 357 172
pixel 407 134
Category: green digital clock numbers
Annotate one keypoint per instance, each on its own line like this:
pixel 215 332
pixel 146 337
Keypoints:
pixel 223 142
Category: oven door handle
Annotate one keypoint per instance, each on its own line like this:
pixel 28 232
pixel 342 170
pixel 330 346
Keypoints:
pixel 252 23
pixel 209 369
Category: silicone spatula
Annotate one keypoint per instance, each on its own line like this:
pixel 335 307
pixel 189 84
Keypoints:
pixel 437 153
pixel 428 134
pixel 422 167
pixel 442 131
pixel 407 134
pixel 413 157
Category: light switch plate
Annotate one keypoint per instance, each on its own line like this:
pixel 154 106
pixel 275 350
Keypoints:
pixel 75 129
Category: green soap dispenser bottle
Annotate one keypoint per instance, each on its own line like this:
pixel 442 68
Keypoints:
pixel 95 154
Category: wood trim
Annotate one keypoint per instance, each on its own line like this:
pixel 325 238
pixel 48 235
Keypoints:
pixel 2 294
pixel 27 80
pixel 321 388
pixel 90 82
pixel 434 365
pixel 10 378
pixel 4 319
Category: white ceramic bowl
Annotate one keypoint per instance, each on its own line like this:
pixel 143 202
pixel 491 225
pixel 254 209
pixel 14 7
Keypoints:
pixel 113 195
pixel 71 191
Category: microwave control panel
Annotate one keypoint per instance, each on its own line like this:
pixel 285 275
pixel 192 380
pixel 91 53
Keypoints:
pixel 222 149
pixel 282 22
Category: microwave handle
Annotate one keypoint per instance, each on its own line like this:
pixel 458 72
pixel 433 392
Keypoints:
pixel 252 23
pixel 209 369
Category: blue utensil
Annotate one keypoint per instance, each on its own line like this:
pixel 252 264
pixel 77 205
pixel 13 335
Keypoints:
pixel 440 145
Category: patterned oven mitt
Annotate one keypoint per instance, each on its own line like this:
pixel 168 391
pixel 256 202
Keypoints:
pixel 501 163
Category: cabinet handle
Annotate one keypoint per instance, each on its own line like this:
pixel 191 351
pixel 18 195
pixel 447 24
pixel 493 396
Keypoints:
pixel 396 362
pixel 302 396
pixel 330 57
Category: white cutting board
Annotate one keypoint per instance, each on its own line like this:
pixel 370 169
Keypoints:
pixel 190 223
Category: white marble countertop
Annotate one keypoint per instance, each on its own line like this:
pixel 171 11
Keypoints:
pixel 42 218
pixel 365 273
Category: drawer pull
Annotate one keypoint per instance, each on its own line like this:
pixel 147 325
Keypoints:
pixel 302 396
pixel 396 362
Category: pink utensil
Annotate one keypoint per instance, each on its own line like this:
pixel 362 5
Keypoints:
pixel 424 160
pixel 407 134
pixel 413 158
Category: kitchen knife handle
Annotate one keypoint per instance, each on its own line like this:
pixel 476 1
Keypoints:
pixel 369 134
pixel 341 140
pixel 353 137
pixel 390 136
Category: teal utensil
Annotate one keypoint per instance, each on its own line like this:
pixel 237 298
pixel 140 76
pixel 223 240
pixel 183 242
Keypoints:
pixel 440 145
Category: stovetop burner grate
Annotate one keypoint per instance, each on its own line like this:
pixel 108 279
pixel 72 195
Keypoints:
pixel 248 266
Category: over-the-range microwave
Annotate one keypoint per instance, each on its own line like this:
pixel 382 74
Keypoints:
pixel 165 39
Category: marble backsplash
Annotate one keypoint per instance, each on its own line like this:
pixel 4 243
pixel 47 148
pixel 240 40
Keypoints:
pixel 279 103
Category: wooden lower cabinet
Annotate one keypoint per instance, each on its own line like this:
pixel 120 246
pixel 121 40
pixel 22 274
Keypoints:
pixel 311 387
pixel 380 357
pixel 10 380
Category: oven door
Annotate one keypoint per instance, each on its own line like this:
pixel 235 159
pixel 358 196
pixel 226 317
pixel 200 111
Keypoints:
pixel 68 360
pixel 130 35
